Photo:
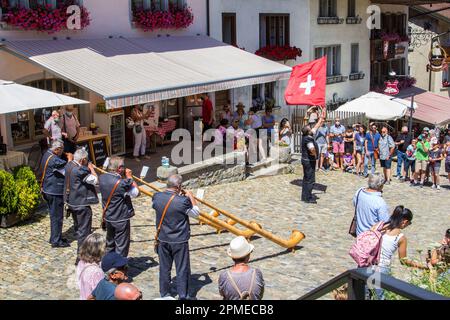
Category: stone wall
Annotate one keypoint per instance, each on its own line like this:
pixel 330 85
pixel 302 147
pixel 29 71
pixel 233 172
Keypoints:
pixel 218 170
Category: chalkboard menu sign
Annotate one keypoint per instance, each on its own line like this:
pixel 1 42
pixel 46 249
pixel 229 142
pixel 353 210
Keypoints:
pixel 100 151
pixel 85 145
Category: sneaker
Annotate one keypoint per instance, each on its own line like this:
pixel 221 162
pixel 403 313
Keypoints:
pixel 421 185
pixel 433 186
pixel 438 187
pixel 137 159
pixel 388 182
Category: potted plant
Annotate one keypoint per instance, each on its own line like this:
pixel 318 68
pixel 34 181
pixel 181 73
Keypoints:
pixel 19 195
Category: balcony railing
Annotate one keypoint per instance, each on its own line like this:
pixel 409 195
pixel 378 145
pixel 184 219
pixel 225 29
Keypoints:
pixel 353 20
pixel 357 279
pixel 330 20
pixel 336 79
pixel 356 76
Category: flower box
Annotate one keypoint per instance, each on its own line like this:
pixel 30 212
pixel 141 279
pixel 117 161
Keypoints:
pixel 353 20
pixel 330 20
pixel 279 53
pixel 174 18
pixel 356 76
pixel 43 18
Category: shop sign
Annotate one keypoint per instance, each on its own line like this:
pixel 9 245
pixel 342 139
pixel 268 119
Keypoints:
pixel 392 88
pixel 437 58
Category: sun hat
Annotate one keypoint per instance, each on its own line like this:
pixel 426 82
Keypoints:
pixel 426 129
pixel 239 248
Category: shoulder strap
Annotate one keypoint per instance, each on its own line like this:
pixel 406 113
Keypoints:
pixel 64 123
pixel 163 215
pixel 109 199
pixel 373 141
pixel 357 199
pixel 233 283
pixel 45 170
pixel 68 180
pixel 252 283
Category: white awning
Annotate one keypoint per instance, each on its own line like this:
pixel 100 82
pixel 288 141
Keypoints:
pixel 129 71
pixel 15 97
pixel 378 106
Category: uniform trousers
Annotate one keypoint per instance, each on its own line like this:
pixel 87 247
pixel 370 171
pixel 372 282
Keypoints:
pixel 168 253
pixel 82 223
pixel 118 237
pixel 56 209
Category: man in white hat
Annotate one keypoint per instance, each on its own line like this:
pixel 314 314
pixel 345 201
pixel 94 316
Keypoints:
pixel 241 282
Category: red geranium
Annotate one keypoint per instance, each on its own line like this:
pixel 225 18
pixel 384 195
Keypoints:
pixel 175 18
pixel 43 18
pixel 279 53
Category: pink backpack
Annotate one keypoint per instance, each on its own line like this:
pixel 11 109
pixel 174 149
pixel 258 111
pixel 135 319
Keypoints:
pixel 367 247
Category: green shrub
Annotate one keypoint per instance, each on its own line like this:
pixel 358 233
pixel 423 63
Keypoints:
pixel 24 173
pixel 8 193
pixel 28 191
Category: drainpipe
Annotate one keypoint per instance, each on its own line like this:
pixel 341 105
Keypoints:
pixel 208 27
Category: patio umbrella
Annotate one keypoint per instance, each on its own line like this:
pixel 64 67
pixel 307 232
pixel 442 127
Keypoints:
pixel 16 97
pixel 378 106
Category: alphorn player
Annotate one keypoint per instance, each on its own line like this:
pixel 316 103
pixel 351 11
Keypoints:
pixel 117 188
pixel 173 208
pixel 81 179
pixel 52 188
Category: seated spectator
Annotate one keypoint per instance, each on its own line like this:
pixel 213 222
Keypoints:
pixel 115 268
pixel 370 205
pixel 89 273
pixel 127 291
pixel 219 134
pixel 349 162
pixel 241 282
pixel 441 255
pixel 328 161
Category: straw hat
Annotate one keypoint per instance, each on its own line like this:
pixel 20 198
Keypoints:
pixel 239 248
pixel 240 105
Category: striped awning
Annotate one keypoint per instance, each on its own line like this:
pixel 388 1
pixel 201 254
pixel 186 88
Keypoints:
pixel 130 71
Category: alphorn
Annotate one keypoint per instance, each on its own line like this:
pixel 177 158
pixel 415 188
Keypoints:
pixel 204 218
pixel 294 239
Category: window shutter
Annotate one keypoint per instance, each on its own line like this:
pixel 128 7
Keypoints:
pixel 323 8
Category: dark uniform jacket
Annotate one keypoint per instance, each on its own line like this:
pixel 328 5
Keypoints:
pixel 175 227
pixel 54 175
pixel 79 193
pixel 120 208
pixel 306 155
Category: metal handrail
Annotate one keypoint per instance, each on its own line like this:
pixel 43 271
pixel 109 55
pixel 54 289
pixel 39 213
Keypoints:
pixel 357 279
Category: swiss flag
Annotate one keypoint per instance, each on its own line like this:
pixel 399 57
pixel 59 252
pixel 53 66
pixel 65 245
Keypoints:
pixel 307 84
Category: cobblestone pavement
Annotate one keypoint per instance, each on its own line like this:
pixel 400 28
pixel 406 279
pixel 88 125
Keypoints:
pixel 32 270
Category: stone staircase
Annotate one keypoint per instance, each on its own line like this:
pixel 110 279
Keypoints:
pixel 271 167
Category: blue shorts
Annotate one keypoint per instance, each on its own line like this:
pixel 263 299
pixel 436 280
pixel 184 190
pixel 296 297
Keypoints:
pixel 386 163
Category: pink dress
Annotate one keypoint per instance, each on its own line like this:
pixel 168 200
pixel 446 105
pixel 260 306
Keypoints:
pixel 88 276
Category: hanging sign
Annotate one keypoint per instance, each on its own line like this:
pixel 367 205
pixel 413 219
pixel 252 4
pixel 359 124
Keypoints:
pixel 437 58
pixel 392 88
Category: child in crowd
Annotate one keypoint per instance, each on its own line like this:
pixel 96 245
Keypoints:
pixel 328 160
pixel 436 157
pixel 447 159
pixel 349 162
pixel 410 161
pixel 219 134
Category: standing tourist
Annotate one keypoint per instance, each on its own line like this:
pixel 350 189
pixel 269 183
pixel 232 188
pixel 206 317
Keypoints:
pixel 410 164
pixel 80 182
pixel 226 113
pixel 403 141
pixel 422 157
pixel 369 205
pixel 117 188
pixel 285 134
pixel 207 113
pixel 173 208
pixel 241 282
pixel 447 160
pixel 52 187
pixel 387 148
pixel 139 133
pixel 115 269
pixel 436 157
pixel 359 142
pixel 371 149
pixel 240 115
pixel 89 272
pixel 310 151
pixel 321 138
pixel 70 130
pixel 52 129
pixel 337 138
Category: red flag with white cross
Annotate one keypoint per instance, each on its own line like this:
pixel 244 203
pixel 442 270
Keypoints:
pixel 307 84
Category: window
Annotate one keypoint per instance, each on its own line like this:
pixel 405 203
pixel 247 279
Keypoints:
pixel 333 54
pixel 351 8
pixel 328 8
pixel 355 58
pixel 35 3
pixel 229 28
pixel 155 5
pixel 274 30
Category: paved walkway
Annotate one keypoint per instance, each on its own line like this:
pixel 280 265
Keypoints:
pixel 32 270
